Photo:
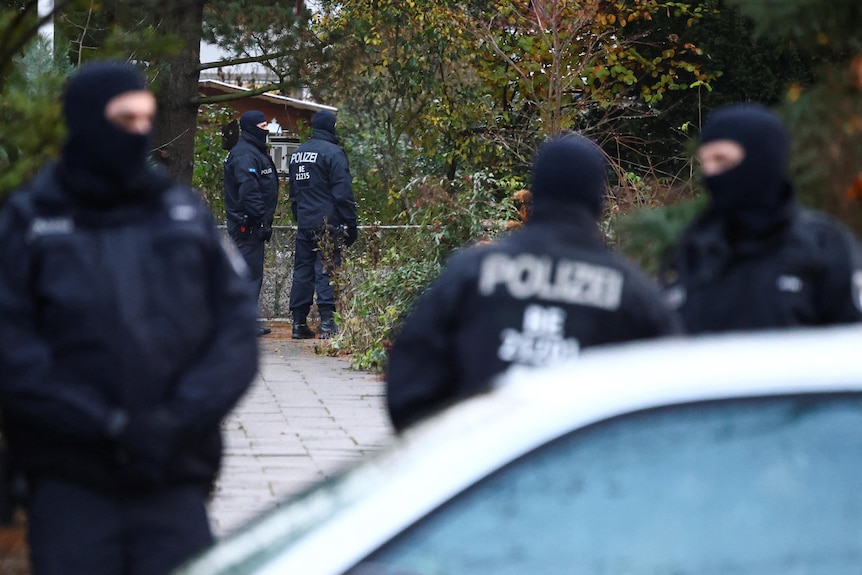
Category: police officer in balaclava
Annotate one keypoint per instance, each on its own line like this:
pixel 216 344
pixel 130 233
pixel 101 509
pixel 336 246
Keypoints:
pixel 251 195
pixel 754 258
pixel 105 161
pixel 532 298
pixel 323 205
pixel 128 334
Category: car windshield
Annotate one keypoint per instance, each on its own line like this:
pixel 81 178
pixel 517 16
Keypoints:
pixel 765 486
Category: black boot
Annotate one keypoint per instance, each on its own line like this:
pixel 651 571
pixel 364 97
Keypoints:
pixel 301 329
pixel 328 328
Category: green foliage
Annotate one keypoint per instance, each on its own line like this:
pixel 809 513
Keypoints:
pixel 379 168
pixel 461 211
pixel 646 234
pixel 31 125
pixel 377 289
pixel 566 57
pixel 406 67
pixel 209 157
pixel 375 306
pixel 443 89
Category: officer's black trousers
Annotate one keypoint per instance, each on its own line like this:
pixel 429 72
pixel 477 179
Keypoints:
pixel 252 250
pixel 310 275
pixel 74 530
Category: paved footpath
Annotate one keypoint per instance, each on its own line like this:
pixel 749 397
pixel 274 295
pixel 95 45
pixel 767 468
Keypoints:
pixel 306 416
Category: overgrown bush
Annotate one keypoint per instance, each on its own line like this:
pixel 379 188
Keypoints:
pixel 371 310
pixel 377 289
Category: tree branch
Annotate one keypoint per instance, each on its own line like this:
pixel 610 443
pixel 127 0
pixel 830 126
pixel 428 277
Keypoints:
pixel 244 60
pixel 236 96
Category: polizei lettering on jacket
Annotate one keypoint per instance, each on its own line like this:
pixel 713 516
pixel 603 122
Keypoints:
pixel 301 157
pixel 50 227
pixel 527 276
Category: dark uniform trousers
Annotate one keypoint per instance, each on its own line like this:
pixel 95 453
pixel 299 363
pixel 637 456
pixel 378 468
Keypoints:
pixel 252 250
pixel 310 275
pixel 68 517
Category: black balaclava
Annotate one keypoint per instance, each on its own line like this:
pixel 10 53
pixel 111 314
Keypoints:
pixel 755 196
pixel 324 120
pixel 248 123
pixel 102 164
pixel 569 170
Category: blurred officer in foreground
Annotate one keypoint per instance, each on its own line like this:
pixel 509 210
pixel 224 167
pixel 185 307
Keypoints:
pixel 755 259
pixel 251 195
pixel 127 335
pixel 321 199
pixel 532 298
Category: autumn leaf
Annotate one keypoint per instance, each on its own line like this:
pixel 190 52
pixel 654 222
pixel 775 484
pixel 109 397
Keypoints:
pixel 854 190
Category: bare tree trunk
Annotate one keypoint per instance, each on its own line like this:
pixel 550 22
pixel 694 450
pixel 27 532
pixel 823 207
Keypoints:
pixel 177 87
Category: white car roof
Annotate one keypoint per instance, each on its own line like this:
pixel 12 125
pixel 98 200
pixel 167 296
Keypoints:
pixel 441 456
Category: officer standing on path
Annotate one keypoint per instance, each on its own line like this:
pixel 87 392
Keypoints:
pixel 532 298
pixel 321 199
pixel 755 259
pixel 251 195
pixel 127 335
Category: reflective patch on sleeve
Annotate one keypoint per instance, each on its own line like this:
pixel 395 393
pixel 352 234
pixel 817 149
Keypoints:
pixel 857 289
pixel 182 213
pixel 675 296
pixel 237 262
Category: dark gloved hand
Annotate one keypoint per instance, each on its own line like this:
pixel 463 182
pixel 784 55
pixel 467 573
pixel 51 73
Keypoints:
pixel 148 439
pixel 266 233
pixel 350 234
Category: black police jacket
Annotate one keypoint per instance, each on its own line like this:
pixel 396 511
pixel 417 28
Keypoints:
pixel 532 298
pixel 113 317
pixel 321 188
pixel 250 188
pixel 805 272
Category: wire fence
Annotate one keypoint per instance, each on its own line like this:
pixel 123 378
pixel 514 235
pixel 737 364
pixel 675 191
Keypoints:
pixel 371 244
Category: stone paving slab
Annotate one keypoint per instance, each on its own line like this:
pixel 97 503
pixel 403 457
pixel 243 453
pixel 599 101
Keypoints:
pixel 306 417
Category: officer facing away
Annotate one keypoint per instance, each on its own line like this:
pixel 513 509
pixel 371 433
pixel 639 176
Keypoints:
pixel 754 259
pixel 532 298
pixel 251 195
pixel 321 199
pixel 127 335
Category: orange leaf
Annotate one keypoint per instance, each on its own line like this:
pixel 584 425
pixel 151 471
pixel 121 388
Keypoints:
pixel 854 190
pixel 856 71
pixel 794 92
